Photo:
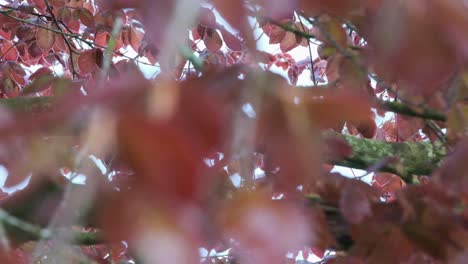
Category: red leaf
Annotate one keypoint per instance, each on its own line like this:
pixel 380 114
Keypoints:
pixel 9 51
pixel 277 9
pixel 40 72
pixel 387 184
pixel 264 228
pixel 86 17
pixel 207 18
pixel 337 149
pixel 293 74
pixel 452 174
pixel 75 3
pixel 160 157
pixel 40 4
pixel 232 11
pixel 17 72
pixel 367 128
pixel 334 7
pixel 318 252
pixel 102 38
pixel 408 127
pixel 167 151
pixel 233 42
pixel 60 46
pixel 88 61
pixel 388 131
pixel 5 34
pixel 74 25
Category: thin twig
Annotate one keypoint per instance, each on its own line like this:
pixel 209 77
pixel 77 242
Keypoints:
pixel 75 36
pixel 310 53
pixel 6 13
pixel 110 48
pixel 67 42
pixel 38 233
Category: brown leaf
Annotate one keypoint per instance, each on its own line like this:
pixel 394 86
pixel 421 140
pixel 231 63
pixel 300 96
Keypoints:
pixel 136 37
pixel 457 123
pixel 289 42
pixel 408 127
pixel 39 84
pixel 330 32
pixel 45 39
pixel 377 242
pixel 274 32
pixel 64 14
pixel 333 110
pixel 40 72
pixel 212 40
pixel 10 88
pixel 88 61
pixel 26 9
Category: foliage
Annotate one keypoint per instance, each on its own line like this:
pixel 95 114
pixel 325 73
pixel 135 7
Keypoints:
pixel 106 164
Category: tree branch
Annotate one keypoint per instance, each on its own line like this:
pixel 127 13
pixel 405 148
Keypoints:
pixel 404 109
pixel 69 45
pixel 396 107
pixel 71 35
pixel 26 231
pixel 403 158
pixel 27 104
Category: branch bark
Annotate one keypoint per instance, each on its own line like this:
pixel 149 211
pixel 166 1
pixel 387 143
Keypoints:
pixel 422 112
pixel 21 230
pixel 27 104
pixel 403 158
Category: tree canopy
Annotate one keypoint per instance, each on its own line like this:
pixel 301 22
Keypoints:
pixel 240 131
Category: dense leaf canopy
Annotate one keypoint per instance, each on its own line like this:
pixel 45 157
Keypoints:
pixel 240 131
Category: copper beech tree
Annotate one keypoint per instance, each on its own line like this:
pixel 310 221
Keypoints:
pixel 155 131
